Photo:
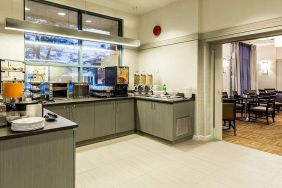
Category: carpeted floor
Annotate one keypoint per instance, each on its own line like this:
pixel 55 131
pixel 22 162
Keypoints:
pixel 258 135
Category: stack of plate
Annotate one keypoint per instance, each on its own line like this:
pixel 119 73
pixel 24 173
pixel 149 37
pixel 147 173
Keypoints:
pixel 28 124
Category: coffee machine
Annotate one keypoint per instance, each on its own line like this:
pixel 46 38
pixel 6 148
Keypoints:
pixel 118 77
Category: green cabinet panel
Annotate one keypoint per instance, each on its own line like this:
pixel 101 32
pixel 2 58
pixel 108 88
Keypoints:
pixel 83 115
pixel 163 121
pixel 144 116
pixel 124 116
pixel 104 119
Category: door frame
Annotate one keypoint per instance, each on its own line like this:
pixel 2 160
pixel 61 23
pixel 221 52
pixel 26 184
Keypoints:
pixel 209 113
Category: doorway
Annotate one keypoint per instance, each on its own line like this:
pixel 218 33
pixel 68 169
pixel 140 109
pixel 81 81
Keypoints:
pixel 254 133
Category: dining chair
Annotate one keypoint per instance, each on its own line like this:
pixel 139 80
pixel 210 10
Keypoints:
pixel 235 94
pixel 263 110
pixel 229 115
pixel 224 95
pixel 240 106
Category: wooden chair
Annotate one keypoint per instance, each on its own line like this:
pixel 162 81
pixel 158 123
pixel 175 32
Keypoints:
pixel 235 94
pixel 240 106
pixel 229 115
pixel 263 110
pixel 224 95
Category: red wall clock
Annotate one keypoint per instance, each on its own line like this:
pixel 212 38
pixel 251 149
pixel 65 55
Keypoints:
pixel 157 30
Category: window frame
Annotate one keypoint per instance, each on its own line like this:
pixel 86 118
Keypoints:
pixel 80 13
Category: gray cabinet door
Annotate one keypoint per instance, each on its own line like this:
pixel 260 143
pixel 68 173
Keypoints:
pixel 38 161
pixel 144 116
pixel 62 110
pixel 83 115
pixel 163 121
pixel 104 119
pixel 124 116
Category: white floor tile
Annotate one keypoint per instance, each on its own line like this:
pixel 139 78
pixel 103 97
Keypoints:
pixel 140 161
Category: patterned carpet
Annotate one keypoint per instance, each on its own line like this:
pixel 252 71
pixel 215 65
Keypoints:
pixel 258 135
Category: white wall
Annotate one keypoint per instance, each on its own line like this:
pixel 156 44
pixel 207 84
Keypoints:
pixel 175 65
pixel 266 52
pixel 219 14
pixel 176 19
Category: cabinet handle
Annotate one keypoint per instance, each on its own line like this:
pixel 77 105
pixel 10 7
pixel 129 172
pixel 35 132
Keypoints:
pixel 74 106
pixel 64 107
pixel 117 107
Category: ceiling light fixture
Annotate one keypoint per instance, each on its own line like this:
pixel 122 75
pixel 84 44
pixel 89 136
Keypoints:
pixel 61 13
pixel 278 42
pixel 25 26
pixel 27 9
pixel 88 21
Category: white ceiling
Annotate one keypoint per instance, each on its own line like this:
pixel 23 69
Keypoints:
pixel 137 7
pixel 262 41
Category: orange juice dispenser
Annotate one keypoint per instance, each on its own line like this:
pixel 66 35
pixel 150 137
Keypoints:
pixel 13 92
pixel 12 96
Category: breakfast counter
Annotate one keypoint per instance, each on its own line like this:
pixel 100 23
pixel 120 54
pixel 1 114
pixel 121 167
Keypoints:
pixel 106 118
pixel 32 159
pixel 59 125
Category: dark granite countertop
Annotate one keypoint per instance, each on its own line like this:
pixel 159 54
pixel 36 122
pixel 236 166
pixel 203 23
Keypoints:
pixel 95 99
pixel 58 125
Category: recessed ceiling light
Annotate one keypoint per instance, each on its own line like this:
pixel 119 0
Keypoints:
pixel 27 9
pixel 88 21
pixel 61 13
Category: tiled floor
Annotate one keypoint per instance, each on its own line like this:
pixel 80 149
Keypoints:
pixel 137 161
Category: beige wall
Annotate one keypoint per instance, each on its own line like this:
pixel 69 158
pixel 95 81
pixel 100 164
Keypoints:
pixel 219 14
pixel 11 43
pixel 226 76
pixel 266 52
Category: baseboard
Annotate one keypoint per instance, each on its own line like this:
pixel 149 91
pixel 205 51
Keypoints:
pixel 203 138
pixel 102 139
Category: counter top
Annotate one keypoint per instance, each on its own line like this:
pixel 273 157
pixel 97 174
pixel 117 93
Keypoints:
pixel 161 100
pixel 85 100
pixel 58 125
pixel 95 99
